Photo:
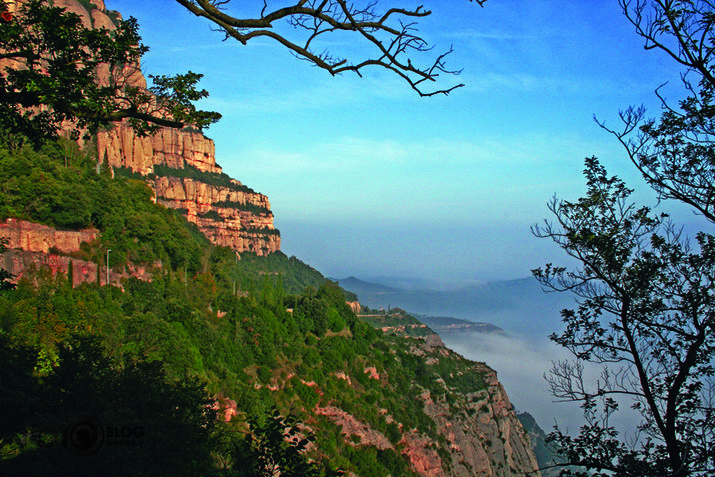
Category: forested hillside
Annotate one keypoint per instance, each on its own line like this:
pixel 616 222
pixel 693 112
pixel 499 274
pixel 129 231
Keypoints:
pixel 265 343
pixel 142 346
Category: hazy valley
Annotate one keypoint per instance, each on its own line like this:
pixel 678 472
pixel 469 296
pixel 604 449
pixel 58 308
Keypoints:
pixel 505 324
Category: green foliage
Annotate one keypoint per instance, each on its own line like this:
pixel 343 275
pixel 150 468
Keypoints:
pixel 212 215
pixel 163 418
pixel 89 6
pixel 218 179
pixel 42 187
pixel 176 94
pixel 243 206
pixel 251 271
pixel 323 311
pixel 54 82
pixel 400 322
pixel 256 344
pixel 129 173
pixel 274 445
pixel 188 325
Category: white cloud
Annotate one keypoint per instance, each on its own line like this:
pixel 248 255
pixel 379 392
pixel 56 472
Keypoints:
pixel 521 364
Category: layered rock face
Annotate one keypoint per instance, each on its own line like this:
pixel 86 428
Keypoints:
pixel 483 434
pixel 168 147
pixel 33 237
pixel 228 213
pixel 32 246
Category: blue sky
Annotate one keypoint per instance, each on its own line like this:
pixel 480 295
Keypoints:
pixel 366 178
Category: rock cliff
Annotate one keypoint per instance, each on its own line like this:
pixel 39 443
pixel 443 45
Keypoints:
pixel 181 167
pixel 32 246
pixel 475 417
pixel 32 237
pixel 482 433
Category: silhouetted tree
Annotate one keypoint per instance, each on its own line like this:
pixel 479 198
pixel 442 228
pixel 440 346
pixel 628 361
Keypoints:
pixel 646 315
pixel 674 153
pixel 389 34
pixel 647 318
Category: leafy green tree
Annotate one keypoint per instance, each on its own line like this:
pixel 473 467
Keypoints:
pixel 149 425
pixel 276 446
pixel 49 70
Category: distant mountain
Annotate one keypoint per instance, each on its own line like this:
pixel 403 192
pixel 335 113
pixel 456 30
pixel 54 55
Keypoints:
pixel 517 306
pixel 447 324
pixel 360 287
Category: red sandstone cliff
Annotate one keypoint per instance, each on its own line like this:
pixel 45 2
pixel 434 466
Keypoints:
pixel 230 215
pixel 32 245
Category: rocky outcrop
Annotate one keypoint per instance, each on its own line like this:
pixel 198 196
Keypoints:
pixel 232 215
pixel 31 246
pixel 488 439
pixel 482 433
pixel 32 237
pixel 350 426
pixel 226 408
pixel 20 262
pixel 168 147
pixel 227 213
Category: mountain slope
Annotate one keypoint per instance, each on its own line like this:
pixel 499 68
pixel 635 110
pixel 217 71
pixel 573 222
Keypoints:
pixel 378 404
pixel 203 335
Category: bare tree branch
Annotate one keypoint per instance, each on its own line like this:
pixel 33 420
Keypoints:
pixel 391 39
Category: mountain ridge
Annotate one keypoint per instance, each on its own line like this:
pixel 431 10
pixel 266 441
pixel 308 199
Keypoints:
pixel 516 305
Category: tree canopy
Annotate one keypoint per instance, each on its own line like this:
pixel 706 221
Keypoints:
pixel 48 77
pixel 646 314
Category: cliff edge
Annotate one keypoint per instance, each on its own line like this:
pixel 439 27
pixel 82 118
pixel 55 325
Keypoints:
pixel 180 165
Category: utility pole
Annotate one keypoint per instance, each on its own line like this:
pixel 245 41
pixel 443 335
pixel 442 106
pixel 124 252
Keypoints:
pixel 234 280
